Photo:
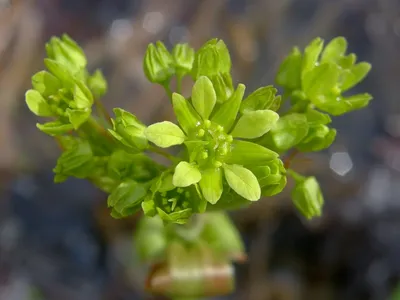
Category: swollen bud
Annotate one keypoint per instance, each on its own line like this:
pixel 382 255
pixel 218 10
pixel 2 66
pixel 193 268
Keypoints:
pixel 183 56
pixel 307 197
pixel 212 58
pixel 128 130
pixel 158 63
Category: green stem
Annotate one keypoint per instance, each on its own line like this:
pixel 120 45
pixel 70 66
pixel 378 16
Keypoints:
pixel 168 90
pixel 179 83
pixel 296 176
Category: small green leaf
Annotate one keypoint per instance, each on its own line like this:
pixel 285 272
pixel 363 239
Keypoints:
pixel 186 174
pixel 59 71
pixel 346 62
pixel 318 138
pixel 211 184
pixel 335 50
pixel 290 70
pixel 187 117
pixel 78 116
pixel 253 124
pixel 247 153
pixel 55 128
pixel 227 112
pixel 37 104
pixel 311 55
pixel 308 198
pixel 337 106
pixel 45 83
pixel 354 75
pixel 204 97
pixel 97 84
pixel 243 182
pixel 165 134
pixel 129 194
pixel 321 80
pixel 272 190
pixel 262 98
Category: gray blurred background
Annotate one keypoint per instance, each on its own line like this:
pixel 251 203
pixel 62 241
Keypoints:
pixel 59 242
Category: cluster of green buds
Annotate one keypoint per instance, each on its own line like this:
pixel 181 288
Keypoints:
pixel 232 147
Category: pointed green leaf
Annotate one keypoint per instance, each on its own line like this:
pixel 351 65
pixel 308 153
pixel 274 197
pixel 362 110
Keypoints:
pixel 346 62
pixel 315 117
pixel 186 174
pixel 227 112
pixel 187 117
pixel 45 83
pixel 311 55
pixel 165 134
pixel 247 153
pixel 211 184
pixel 290 70
pixel 37 104
pixel 204 97
pixel 335 49
pixel 355 75
pixel 260 99
pixel 55 128
pixel 243 182
pixel 253 124
pixel 78 116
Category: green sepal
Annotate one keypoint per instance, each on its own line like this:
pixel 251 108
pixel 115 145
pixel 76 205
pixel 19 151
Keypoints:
pixel 78 116
pixel 248 153
pixel 271 177
pixel 260 99
pixel 253 124
pixel 314 117
pixel 354 75
pixel 242 181
pixel 83 97
pixel 76 161
pixel 128 195
pixel 288 132
pixel 186 174
pixel 55 128
pixel 227 112
pixel 319 137
pixel 320 81
pixel 178 217
pixel 128 130
pixel 60 72
pixel 223 86
pixel 185 113
pixel 38 104
pixel 183 56
pixel 45 83
pixel 211 184
pixel 165 134
pixel 158 64
pixel 203 97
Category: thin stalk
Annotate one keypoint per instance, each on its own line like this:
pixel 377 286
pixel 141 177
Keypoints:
pixel 162 153
pixel 103 111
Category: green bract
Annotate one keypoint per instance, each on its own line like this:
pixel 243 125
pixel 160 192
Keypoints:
pixel 229 149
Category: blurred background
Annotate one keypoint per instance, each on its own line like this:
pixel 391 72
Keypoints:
pixel 58 241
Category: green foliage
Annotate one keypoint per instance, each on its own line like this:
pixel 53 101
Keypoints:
pixel 232 145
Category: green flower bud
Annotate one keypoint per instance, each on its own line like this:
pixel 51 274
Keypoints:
pixel 318 138
pixel 129 131
pixel 212 58
pixel 223 86
pixel 307 196
pixel 158 63
pixel 183 56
